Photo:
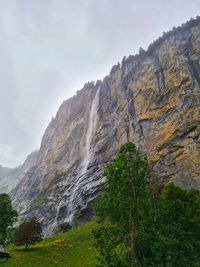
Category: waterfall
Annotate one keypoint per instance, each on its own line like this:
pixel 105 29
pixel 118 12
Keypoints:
pixel 90 132
pixel 88 155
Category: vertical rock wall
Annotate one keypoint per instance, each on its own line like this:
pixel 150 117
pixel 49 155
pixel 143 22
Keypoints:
pixel 152 99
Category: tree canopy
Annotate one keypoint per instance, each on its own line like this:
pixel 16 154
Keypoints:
pixel 141 226
pixel 7 216
pixel 29 233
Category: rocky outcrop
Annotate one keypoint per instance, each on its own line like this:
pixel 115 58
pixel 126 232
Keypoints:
pixel 151 99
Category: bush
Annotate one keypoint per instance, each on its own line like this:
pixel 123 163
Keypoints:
pixel 63 227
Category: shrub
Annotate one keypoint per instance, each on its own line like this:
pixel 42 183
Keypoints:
pixel 63 227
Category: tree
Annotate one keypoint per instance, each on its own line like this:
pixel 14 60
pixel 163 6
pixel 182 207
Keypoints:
pixel 29 233
pixel 11 234
pixel 143 223
pixel 124 210
pixel 180 226
pixel 7 216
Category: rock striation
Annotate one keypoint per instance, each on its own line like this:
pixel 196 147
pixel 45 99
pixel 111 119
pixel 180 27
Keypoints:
pixel 151 99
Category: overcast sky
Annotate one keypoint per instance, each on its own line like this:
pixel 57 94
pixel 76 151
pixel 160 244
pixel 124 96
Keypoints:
pixel 50 48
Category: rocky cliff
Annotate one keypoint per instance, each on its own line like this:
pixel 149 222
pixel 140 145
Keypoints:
pixel 151 99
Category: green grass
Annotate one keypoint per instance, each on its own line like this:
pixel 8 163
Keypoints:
pixel 77 251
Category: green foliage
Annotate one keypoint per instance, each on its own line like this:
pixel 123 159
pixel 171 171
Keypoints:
pixel 7 216
pixel 142 223
pixel 124 210
pixel 29 233
pixel 180 226
pixel 63 227
pixel 11 235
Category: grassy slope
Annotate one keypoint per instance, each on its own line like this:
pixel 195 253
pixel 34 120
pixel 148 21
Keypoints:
pixel 77 251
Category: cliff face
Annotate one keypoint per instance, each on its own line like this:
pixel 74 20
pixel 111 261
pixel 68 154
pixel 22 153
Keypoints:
pixel 152 99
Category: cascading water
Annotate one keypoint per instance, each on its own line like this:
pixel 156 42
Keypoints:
pixel 87 158
pixel 90 132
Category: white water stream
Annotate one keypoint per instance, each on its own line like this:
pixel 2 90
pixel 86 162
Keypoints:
pixel 90 132
pixel 88 154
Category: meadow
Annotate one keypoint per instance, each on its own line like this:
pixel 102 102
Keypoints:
pixel 74 248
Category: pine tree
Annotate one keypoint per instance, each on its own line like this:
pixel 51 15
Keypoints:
pixel 7 216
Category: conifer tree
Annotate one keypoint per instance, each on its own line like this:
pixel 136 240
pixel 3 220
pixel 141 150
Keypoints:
pixel 7 216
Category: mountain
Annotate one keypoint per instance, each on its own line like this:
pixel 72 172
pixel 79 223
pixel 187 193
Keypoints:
pixel 9 178
pixel 151 99
pixel 3 171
